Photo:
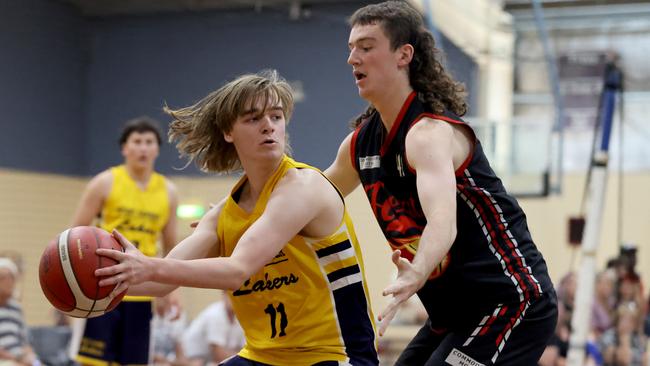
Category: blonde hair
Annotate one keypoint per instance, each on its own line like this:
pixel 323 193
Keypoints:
pixel 198 129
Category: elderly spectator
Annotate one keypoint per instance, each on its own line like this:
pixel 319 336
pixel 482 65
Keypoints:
pixel 14 347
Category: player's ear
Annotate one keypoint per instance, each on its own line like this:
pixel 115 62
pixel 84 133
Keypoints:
pixel 405 54
pixel 228 137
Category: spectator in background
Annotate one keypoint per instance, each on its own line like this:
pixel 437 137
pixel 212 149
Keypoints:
pixel 630 291
pixel 558 346
pixel 556 352
pixel 167 327
pixel 625 344
pixel 14 346
pixel 627 258
pixel 214 335
pixel 566 293
pixel 604 302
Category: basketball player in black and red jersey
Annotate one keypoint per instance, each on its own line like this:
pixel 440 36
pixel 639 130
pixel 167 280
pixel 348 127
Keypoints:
pixel 460 241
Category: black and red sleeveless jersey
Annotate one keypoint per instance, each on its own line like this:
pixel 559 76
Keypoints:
pixel 493 259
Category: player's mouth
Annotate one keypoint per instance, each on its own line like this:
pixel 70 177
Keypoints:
pixel 268 142
pixel 358 76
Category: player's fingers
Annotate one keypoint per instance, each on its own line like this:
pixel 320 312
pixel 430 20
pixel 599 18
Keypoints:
pixel 126 244
pixel 108 271
pixel 385 321
pixel 108 281
pixel 111 253
pixel 390 308
pixel 391 289
pixel 395 257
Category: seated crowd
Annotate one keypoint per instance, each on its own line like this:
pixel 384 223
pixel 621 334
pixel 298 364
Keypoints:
pixel 620 324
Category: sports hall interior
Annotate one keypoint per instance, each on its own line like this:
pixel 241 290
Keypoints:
pixel 72 71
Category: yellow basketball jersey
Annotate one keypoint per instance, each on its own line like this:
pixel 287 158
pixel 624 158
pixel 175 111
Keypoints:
pixel 310 303
pixel 140 215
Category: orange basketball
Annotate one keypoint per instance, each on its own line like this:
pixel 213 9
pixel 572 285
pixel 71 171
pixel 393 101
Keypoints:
pixel 67 272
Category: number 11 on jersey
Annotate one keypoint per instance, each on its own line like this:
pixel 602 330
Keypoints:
pixel 272 311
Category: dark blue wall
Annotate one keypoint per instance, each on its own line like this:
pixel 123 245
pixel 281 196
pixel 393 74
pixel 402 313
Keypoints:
pixel 42 78
pixel 138 63
pixel 67 83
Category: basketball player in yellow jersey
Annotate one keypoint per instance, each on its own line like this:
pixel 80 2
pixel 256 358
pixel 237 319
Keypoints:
pixel 281 243
pixel 141 204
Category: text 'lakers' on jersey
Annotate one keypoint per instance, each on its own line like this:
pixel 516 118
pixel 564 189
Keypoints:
pixel 304 306
pixel 140 215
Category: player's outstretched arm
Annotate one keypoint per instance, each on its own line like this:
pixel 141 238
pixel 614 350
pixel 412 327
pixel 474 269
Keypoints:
pixel 430 152
pixel 291 207
pixel 341 172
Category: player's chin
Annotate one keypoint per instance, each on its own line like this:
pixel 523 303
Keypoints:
pixel 364 93
pixel 272 152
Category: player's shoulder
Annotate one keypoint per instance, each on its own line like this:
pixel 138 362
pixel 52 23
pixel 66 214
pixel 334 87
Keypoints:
pixel 427 124
pixel 299 185
pixel 102 180
pixel 106 174
pixel 302 176
pixel 171 187
pixel 428 129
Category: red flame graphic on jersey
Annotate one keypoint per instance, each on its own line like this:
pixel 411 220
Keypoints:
pixel 401 221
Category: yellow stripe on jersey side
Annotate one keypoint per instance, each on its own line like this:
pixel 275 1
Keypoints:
pixel 320 243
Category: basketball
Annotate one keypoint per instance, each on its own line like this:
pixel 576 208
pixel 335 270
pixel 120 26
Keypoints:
pixel 67 272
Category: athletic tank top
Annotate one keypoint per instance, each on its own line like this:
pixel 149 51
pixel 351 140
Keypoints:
pixel 308 304
pixel 140 215
pixel 493 258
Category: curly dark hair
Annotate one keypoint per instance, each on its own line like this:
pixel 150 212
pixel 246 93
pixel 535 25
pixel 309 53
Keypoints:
pixel 402 24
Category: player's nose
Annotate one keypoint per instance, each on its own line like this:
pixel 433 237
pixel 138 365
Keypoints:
pixel 267 125
pixel 353 59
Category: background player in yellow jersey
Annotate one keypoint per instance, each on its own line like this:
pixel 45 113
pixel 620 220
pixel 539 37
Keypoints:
pixel 141 204
pixel 281 243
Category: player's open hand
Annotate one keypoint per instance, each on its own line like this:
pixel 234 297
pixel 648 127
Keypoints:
pixel 407 283
pixel 132 269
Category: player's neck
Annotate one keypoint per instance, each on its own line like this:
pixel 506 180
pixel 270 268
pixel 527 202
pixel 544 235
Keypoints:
pixel 390 103
pixel 257 174
pixel 140 175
